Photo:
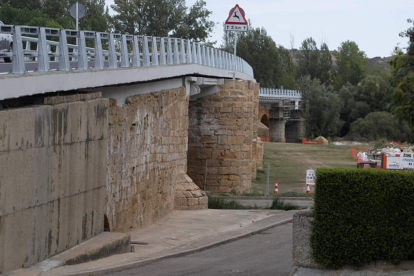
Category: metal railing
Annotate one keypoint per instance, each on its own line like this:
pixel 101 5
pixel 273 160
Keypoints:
pixel 280 93
pixel 121 50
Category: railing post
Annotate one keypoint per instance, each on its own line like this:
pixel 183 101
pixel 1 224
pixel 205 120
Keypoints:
pixel 135 55
pixel 169 52
pixel 43 56
pixel 199 55
pixel 82 57
pixel 154 51
pixel 213 58
pixel 220 60
pixel 208 59
pixel 112 58
pixel 64 64
pixel 18 54
pixel 162 56
pixel 182 51
pixel 204 55
pixel 194 53
pixel 124 52
pixel 99 58
pixel 176 55
pixel 27 48
pixel 146 55
pixel 189 57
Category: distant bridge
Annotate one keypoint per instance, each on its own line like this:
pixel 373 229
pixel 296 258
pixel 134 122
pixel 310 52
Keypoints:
pixel 281 111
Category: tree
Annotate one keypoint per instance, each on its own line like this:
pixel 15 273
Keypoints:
pixel 381 125
pixel 288 69
pixel 322 108
pixel 308 59
pixel 162 18
pixel 314 62
pixel 196 24
pixel 402 81
pixel 325 65
pixel 351 64
pixel 259 50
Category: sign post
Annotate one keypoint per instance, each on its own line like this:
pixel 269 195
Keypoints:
pixel 236 22
pixel 310 177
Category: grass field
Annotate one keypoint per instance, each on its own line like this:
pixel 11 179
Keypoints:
pixel 289 162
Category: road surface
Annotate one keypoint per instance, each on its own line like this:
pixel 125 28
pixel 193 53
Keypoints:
pixel 268 253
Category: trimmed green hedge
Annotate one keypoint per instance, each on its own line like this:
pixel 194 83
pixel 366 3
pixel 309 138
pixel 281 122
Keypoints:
pixel 362 215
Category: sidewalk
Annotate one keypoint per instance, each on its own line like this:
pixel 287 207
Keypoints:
pixel 180 233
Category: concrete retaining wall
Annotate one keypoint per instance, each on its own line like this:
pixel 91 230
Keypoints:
pixel 52 178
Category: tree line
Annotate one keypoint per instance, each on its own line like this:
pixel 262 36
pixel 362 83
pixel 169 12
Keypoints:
pixel 351 97
pixel 343 94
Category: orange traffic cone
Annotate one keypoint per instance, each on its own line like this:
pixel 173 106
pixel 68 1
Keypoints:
pixel 276 188
pixel 308 189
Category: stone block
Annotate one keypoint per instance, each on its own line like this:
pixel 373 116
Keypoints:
pixel 192 201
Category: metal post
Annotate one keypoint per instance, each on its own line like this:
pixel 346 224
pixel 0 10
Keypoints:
pixel 205 178
pixel 267 182
pixel 77 20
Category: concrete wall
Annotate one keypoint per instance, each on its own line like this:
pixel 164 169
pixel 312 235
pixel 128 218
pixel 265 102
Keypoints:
pixel 147 150
pixel 277 130
pixel 294 131
pixel 222 130
pixel 52 178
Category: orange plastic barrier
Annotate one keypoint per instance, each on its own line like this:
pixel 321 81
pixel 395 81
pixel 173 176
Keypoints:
pixel 265 139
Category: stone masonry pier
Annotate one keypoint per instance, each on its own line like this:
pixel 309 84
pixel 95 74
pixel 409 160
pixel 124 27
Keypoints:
pixel 222 133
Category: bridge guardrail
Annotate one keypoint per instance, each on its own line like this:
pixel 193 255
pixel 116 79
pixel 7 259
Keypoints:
pixel 123 50
pixel 280 93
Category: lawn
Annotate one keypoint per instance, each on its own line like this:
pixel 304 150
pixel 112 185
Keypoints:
pixel 289 162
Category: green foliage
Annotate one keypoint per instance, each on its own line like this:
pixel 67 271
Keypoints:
pixel 377 125
pixel 162 18
pixel 322 108
pixel 314 62
pixel 219 203
pixel 54 14
pixel 280 204
pixel 402 82
pixel 351 64
pixel 273 66
pixel 362 216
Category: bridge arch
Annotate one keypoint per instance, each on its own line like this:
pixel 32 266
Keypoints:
pixel 265 120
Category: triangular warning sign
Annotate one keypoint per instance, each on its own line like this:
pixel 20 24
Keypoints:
pixel 236 16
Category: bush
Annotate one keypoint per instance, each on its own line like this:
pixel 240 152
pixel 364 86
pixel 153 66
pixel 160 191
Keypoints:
pixel 280 204
pixel 377 125
pixel 363 215
pixel 219 203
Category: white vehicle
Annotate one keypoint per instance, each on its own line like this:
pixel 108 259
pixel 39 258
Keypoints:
pixel 6 44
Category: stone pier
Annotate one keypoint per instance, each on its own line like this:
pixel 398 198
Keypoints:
pixel 222 134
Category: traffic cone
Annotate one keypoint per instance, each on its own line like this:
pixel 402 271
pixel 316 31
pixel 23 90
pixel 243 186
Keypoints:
pixel 276 188
pixel 308 189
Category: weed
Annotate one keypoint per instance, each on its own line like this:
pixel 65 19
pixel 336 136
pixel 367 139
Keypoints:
pixel 280 204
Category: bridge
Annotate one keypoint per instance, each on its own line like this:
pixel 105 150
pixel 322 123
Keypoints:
pixel 281 111
pixel 114 132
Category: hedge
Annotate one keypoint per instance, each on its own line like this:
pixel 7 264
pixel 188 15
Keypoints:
pixel 363 215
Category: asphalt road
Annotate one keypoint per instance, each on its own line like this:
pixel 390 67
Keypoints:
pixel 268 253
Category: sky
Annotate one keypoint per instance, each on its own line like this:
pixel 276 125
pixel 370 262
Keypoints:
pixel 372 24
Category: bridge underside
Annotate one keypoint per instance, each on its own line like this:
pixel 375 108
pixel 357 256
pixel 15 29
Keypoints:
pixel 283 119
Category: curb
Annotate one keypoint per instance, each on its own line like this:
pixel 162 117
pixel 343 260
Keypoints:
pixel 175 255
pixel 264 197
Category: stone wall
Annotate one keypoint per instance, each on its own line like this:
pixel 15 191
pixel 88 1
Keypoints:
pixel 147 150
pixel 222 130
pixel 52 177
